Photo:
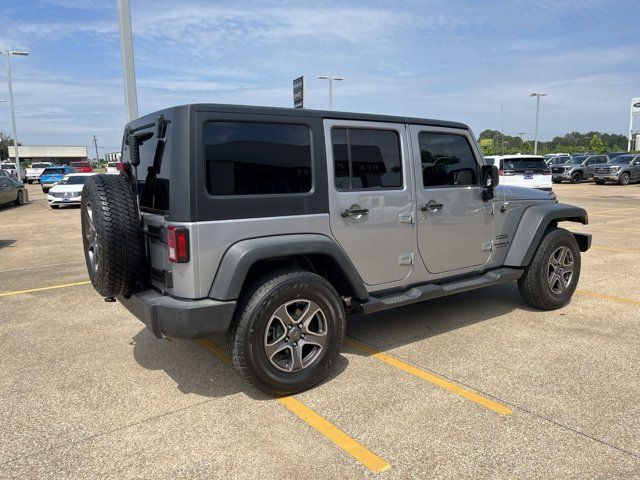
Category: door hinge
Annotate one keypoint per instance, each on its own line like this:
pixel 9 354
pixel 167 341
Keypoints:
pixel 405 259
pixel 487 246
pixel 405 217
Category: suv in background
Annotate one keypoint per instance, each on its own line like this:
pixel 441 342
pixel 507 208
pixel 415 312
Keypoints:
pixel 273 224
pixel 577 168
pixel 53 175
pixel 11 168
pixel 556 158
pixel 623 169
pixel 522 170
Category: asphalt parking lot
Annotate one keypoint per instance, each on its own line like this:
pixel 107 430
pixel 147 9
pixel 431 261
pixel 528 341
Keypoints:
pixel 473 386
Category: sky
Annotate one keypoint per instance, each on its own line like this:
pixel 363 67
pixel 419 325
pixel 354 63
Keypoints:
pixel 459 60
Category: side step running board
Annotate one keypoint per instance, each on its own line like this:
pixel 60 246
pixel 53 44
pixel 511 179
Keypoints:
pixel 431 290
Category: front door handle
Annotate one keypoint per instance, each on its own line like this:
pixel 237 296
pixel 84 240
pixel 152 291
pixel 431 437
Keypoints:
pixel 354 212
pixel 432 206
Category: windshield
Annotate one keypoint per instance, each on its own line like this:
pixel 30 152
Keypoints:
pixel 525 163
pixel 8 165
pixel 73 180
pixel 112 164
pixel 53 171
pixel 577 159
pixel 622 159
pixel 39 165
pixel 557 160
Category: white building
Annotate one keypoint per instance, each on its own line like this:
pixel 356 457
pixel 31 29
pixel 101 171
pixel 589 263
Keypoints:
pixel 48 153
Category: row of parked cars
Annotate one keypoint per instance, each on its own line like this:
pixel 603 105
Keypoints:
pixel 543 171
pixel 62 183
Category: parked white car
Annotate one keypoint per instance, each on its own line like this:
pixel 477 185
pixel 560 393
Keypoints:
pixel 11 168
pixel 68 191
pixel 114 168
pixel 522 170
pixel 35 170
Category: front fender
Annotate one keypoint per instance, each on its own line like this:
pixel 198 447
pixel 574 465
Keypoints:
pixel 534 223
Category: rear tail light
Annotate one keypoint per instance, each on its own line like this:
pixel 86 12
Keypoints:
pixel 120 166
pixel 178 242
pixel 506 173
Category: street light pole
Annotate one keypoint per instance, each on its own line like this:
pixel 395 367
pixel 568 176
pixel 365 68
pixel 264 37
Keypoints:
pixel 128 67
pixel 8 54
pixel 2 100
pixel 535 138
pixel 331 79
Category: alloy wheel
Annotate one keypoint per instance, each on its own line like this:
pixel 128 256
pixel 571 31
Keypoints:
pixel 93 246
pixel 295 335
pixel 560 270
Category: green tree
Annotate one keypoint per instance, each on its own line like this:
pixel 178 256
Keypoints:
pixel 596 144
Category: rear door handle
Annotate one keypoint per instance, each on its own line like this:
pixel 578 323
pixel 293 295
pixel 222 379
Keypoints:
pixel 432 206
pixel 354 212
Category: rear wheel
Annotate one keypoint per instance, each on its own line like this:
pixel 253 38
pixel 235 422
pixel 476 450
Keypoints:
pixel 624 179
pixel 20 198
pixel 551 278
pixel 576 177
pixel 55 206
pixel 600 182
pixel 288 332
pixel 556 181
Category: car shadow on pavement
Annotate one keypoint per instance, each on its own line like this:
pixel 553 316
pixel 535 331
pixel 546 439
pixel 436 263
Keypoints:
pixel 414 323
pixel 196 370
pixel 7 243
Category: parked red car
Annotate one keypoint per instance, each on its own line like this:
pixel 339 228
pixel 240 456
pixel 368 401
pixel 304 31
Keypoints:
pixel 82 166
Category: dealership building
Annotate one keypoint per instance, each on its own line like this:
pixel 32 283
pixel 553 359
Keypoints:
pixel 59 154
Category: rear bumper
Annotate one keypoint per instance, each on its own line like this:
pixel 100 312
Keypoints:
pixel 170 317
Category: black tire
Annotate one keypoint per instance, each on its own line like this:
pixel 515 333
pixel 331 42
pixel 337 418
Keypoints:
pixel 55 207
pixel 247 340
pixel 556 181
pixel 29 182
pixel 624 179
pixel 576 177
pixel 111 236
pixel 600 182
pixel 20 198
pixel 45 190
pixel 534 284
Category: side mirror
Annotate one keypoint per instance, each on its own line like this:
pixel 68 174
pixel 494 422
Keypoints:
pixel 490 179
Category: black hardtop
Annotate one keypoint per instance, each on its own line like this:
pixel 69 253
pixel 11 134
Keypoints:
pixel 297 112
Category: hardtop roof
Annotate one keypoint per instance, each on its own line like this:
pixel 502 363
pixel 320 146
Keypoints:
pixel 303 112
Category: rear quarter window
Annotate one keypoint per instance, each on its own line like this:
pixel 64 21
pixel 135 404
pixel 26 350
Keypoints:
pixel 245 158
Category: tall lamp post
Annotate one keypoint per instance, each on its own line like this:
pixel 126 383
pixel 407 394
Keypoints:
pixel 2 100
pixel 535 137
pixel 8 54
pixel 331 79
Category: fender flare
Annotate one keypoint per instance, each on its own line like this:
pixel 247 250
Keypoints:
pixel 241 256
pixel 534 223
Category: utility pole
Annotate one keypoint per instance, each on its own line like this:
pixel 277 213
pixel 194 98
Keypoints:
pixel 95 144
pixel 502 125
pixel 128 67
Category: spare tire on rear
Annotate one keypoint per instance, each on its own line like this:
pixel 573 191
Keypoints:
pixel 111 237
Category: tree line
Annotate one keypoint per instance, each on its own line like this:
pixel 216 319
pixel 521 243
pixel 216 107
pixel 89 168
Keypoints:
pixel 493 142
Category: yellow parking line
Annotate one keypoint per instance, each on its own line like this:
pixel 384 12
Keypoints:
pixel 620 250
pixel 366 457
pixel 41 289
pixel 615 210
pixel 610 298
pixel 431 378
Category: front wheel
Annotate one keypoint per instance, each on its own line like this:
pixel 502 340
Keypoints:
pixel 576 177
pixel 551 278
pixel 287 332
pixel 624 179
pixel 20 198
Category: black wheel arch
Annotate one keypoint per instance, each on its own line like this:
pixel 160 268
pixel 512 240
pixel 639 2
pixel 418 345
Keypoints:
pixel 535 222
pixel 248 259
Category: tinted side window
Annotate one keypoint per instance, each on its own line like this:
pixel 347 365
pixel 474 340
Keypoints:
pixel 257 158
pixel 366 159
pixel 447 159
pixel 4 182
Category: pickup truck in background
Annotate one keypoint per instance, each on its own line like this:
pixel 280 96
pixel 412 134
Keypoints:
pixel 35 170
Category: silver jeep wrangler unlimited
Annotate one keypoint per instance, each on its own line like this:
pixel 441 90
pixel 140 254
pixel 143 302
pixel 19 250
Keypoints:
pixel 273 224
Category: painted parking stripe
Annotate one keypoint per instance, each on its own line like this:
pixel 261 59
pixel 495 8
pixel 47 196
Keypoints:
pixel 614 210
pixel 431 378
pixel 366 457
pixel 618 250
pixel 609 298
pixel 42 289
